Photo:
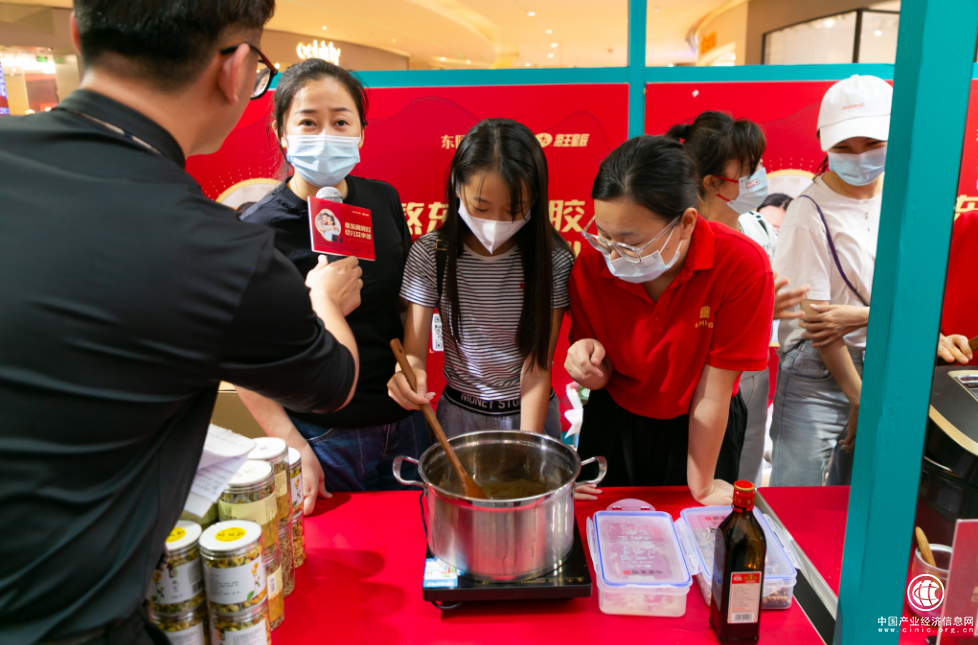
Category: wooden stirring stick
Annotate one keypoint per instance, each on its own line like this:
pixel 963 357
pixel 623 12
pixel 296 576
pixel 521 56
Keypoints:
pixel 469 487
pixel 924 546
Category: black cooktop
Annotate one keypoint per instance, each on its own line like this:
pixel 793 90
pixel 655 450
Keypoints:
pixel 571 580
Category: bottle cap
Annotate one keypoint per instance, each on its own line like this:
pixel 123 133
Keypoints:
pixel 743 495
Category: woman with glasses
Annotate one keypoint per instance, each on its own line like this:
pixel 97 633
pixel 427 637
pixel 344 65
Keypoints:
pixel 320 115
pixel 667 309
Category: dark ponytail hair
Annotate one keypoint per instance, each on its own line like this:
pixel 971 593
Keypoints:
pixel 714 139
pixel 653 172
pixel 511 149
pixel 299 75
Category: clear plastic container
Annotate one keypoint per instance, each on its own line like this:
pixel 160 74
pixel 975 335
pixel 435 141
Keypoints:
pixel 641 569
pixel 298 539
pixel 276 452
pixel 178 584
pixel 250 495
pixel 697 526
pixel 234 573
pixel 248 627
pixel 288 566
pixel 187 627
pixel 276 597
pixel 295 479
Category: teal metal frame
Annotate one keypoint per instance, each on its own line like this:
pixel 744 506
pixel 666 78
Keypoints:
pixel 935 63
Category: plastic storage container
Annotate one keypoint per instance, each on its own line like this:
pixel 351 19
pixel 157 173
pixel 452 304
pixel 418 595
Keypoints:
pixel 295 480
pixel 248 627
pixel 178 585
pixel 234 573
pixel 276 452
pixel 184 628
pixel 641 569
pixel 298 539
pixel 250 495
pixel 276 595
pixel 698 528
pixel 288 564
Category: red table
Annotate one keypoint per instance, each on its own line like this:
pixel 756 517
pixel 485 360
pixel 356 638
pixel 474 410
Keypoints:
pixel 818 526
pixel 361 583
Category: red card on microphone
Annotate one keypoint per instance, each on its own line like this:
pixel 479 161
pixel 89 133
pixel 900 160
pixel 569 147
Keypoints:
pixel 341 229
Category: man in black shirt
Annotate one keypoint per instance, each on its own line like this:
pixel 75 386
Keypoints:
pixel 117 323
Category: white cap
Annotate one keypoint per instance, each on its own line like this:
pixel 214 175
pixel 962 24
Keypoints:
pixel 294 456
pixel 230 536
pixel 269 448
pixel 183 535
pixel 859 106
pixel 251 472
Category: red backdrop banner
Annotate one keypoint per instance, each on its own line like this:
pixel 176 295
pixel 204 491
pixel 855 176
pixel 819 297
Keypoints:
pixel 410 141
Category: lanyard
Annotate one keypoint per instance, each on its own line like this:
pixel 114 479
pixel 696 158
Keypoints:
pixel 113 128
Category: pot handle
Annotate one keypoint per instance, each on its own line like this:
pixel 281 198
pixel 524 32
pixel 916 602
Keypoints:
pixel 602 471
pixel 398 462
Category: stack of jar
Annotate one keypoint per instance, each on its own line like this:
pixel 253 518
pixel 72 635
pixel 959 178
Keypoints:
pixel 298 536
pixel 274 452
pixel 175 598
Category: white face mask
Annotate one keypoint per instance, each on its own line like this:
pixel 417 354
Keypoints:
pixel 322 159
pixel 490 233
pixel 649 267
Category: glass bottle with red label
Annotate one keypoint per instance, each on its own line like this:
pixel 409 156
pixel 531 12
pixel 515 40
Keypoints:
pixel 738 571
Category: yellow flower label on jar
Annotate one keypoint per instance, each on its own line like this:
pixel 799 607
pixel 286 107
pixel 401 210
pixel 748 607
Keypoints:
pixel 176 534
pixel 231 534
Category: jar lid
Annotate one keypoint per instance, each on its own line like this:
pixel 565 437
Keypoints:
pixel 230 536
pixel 251 472
pixel 294 457
pixel 269 449
pixel 184 534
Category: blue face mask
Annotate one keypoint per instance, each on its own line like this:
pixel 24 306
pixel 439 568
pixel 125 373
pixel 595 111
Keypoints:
pixel 858 170
pixel 321 159
pixel 753 191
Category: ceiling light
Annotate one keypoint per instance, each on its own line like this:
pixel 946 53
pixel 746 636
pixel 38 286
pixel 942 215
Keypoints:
pixel 878 32
pixel 671 65
pixel 550 31
pixel 443 58
pixel 531 13
pixel 468 62
pixel 550 55
pixel 527 64
pixel 553 44
pixel 656 10
pixel 393 40
pixel 830 22
pixel 732 57
pixel 277 67
pixel 324 27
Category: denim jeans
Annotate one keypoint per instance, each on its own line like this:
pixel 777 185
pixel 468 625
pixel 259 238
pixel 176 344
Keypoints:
pixel 810 417
pixel 456 420
pixel 361 459
pixel 754 388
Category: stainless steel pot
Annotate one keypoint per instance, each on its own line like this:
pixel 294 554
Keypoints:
pixel 498 540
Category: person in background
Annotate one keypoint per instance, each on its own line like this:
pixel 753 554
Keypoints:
pixel 122 320
pixel 497 270
pixel 320 119
pixel 773 209
pixel 828 240
pixel 732 183
pixel 667 310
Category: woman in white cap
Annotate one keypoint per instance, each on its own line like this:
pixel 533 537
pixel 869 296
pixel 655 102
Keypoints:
pixel 828 241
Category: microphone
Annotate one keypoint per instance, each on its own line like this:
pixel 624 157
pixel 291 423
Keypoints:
pixel 330 194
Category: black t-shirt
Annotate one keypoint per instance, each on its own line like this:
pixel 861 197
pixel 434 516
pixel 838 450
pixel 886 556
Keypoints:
pixel 377 320
pixel 126 297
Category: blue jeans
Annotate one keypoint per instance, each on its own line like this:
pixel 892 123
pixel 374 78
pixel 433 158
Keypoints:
pixel 361 459
pixel 810 417
pixel 456 420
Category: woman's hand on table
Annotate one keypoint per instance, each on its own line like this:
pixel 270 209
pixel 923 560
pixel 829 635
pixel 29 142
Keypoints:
pixel 720 493
pixel 785 299
pixel 587 364
pixel 832 322
pixel 313 479
pixel 954 349
pixel 586 493
pixel 400 390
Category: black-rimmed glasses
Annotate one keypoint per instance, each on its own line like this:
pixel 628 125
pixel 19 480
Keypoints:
pixel 266 70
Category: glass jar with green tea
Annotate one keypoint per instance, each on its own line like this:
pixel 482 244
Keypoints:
pixel 188 627
pixel 295 479
pixel 178 584
pixel 298 539
pixel 276 592
pixel 288 566
pixel 276 452
pixel 234 573
pixel 250 495
pixel 247 627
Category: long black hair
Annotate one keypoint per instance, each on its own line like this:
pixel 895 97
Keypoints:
pixel 653 172
pixel 714 139
pixel 511 149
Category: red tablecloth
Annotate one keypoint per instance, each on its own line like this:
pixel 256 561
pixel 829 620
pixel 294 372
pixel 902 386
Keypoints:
pixel 818 525
pixel 361 583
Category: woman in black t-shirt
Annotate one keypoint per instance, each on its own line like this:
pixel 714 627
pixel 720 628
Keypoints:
pixel 320 116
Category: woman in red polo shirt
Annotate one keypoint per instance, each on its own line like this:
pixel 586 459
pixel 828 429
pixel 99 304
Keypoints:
pixel 667 309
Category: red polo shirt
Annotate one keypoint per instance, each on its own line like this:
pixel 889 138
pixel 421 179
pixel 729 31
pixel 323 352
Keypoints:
pixel 717 312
